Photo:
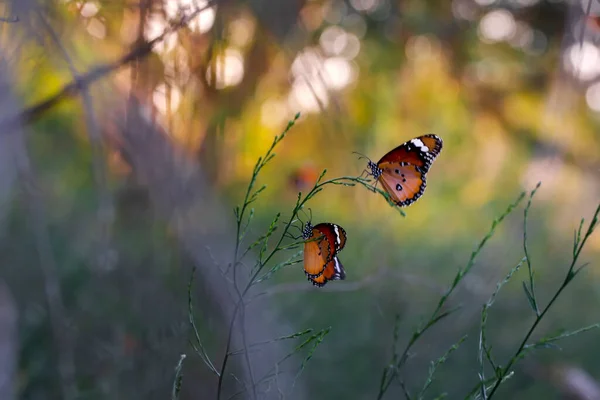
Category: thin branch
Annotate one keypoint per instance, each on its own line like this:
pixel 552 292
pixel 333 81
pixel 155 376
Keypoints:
pixel 52 288
pixel 571 273
pixel 72 88
pixel 389 374
pixel 105 207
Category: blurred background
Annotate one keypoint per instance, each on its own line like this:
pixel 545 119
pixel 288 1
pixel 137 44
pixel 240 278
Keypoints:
pixel 130 129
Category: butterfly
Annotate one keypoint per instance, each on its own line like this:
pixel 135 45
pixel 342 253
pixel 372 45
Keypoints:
pixel 403 171
pixel 594 22
pixel 322 244
pixel 304 177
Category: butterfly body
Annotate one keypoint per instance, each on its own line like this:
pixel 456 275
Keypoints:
pixel 322 243
pixel 403 171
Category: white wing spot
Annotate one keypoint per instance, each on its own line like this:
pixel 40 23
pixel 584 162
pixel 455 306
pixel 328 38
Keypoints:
pixel 419 143
pixel 337 265
pixel 338 239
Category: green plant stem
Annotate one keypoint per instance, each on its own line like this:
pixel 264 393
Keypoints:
pixel 240 213
pixel 178 379
pixel 568 278
pixel 436 316
pixel 250 197
pixel 531 291
pixel 515 357
pixel 344 180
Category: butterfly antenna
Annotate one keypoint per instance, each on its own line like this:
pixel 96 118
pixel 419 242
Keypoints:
pixel 306 215
pixel 301 225
pixel 361 155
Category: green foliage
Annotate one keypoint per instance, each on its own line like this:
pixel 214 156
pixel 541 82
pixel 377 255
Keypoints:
pixel 420 69
pixel 572 271
pixel 486 387
pixel 178 378
pixel 266 254
pixel 398 360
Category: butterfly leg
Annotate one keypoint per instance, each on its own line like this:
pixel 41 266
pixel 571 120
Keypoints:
pixel 371 187
pixel 364 172
pixel 290 236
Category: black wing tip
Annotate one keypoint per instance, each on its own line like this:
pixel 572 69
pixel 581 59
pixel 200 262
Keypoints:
pixel 439 144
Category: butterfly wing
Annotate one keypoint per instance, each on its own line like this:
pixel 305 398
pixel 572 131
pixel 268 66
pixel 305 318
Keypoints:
pixel 420 151
pixel 335 235
pixel 317 252
pixel 334 270
pixel 404 183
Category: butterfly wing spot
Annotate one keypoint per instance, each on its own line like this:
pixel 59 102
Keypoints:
pixel 403 190
pixel 419 143
pixel 338 239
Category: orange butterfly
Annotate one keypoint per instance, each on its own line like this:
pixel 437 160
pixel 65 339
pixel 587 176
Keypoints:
pixel 593 22
pixel 403 171
pixel 304 177
pixel 322 243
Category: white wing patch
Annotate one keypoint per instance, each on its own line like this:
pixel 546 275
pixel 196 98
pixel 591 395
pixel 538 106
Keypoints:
pixel 339 270
pixel 337 265
pixel 420 144
pixel 338 239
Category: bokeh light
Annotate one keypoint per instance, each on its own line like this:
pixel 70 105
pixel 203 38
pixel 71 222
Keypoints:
pixel 365 5
pixel 241 31
pixel 309 95
pixel 89 9
pixel 201 23
pixel 228 69
pixel 96 28
pixel 336 41
pixel 583 60
pixel 274 112
pixel 496 26
pixel 156 26
pixel 592 97
pixel 166 98
pixel 338 72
